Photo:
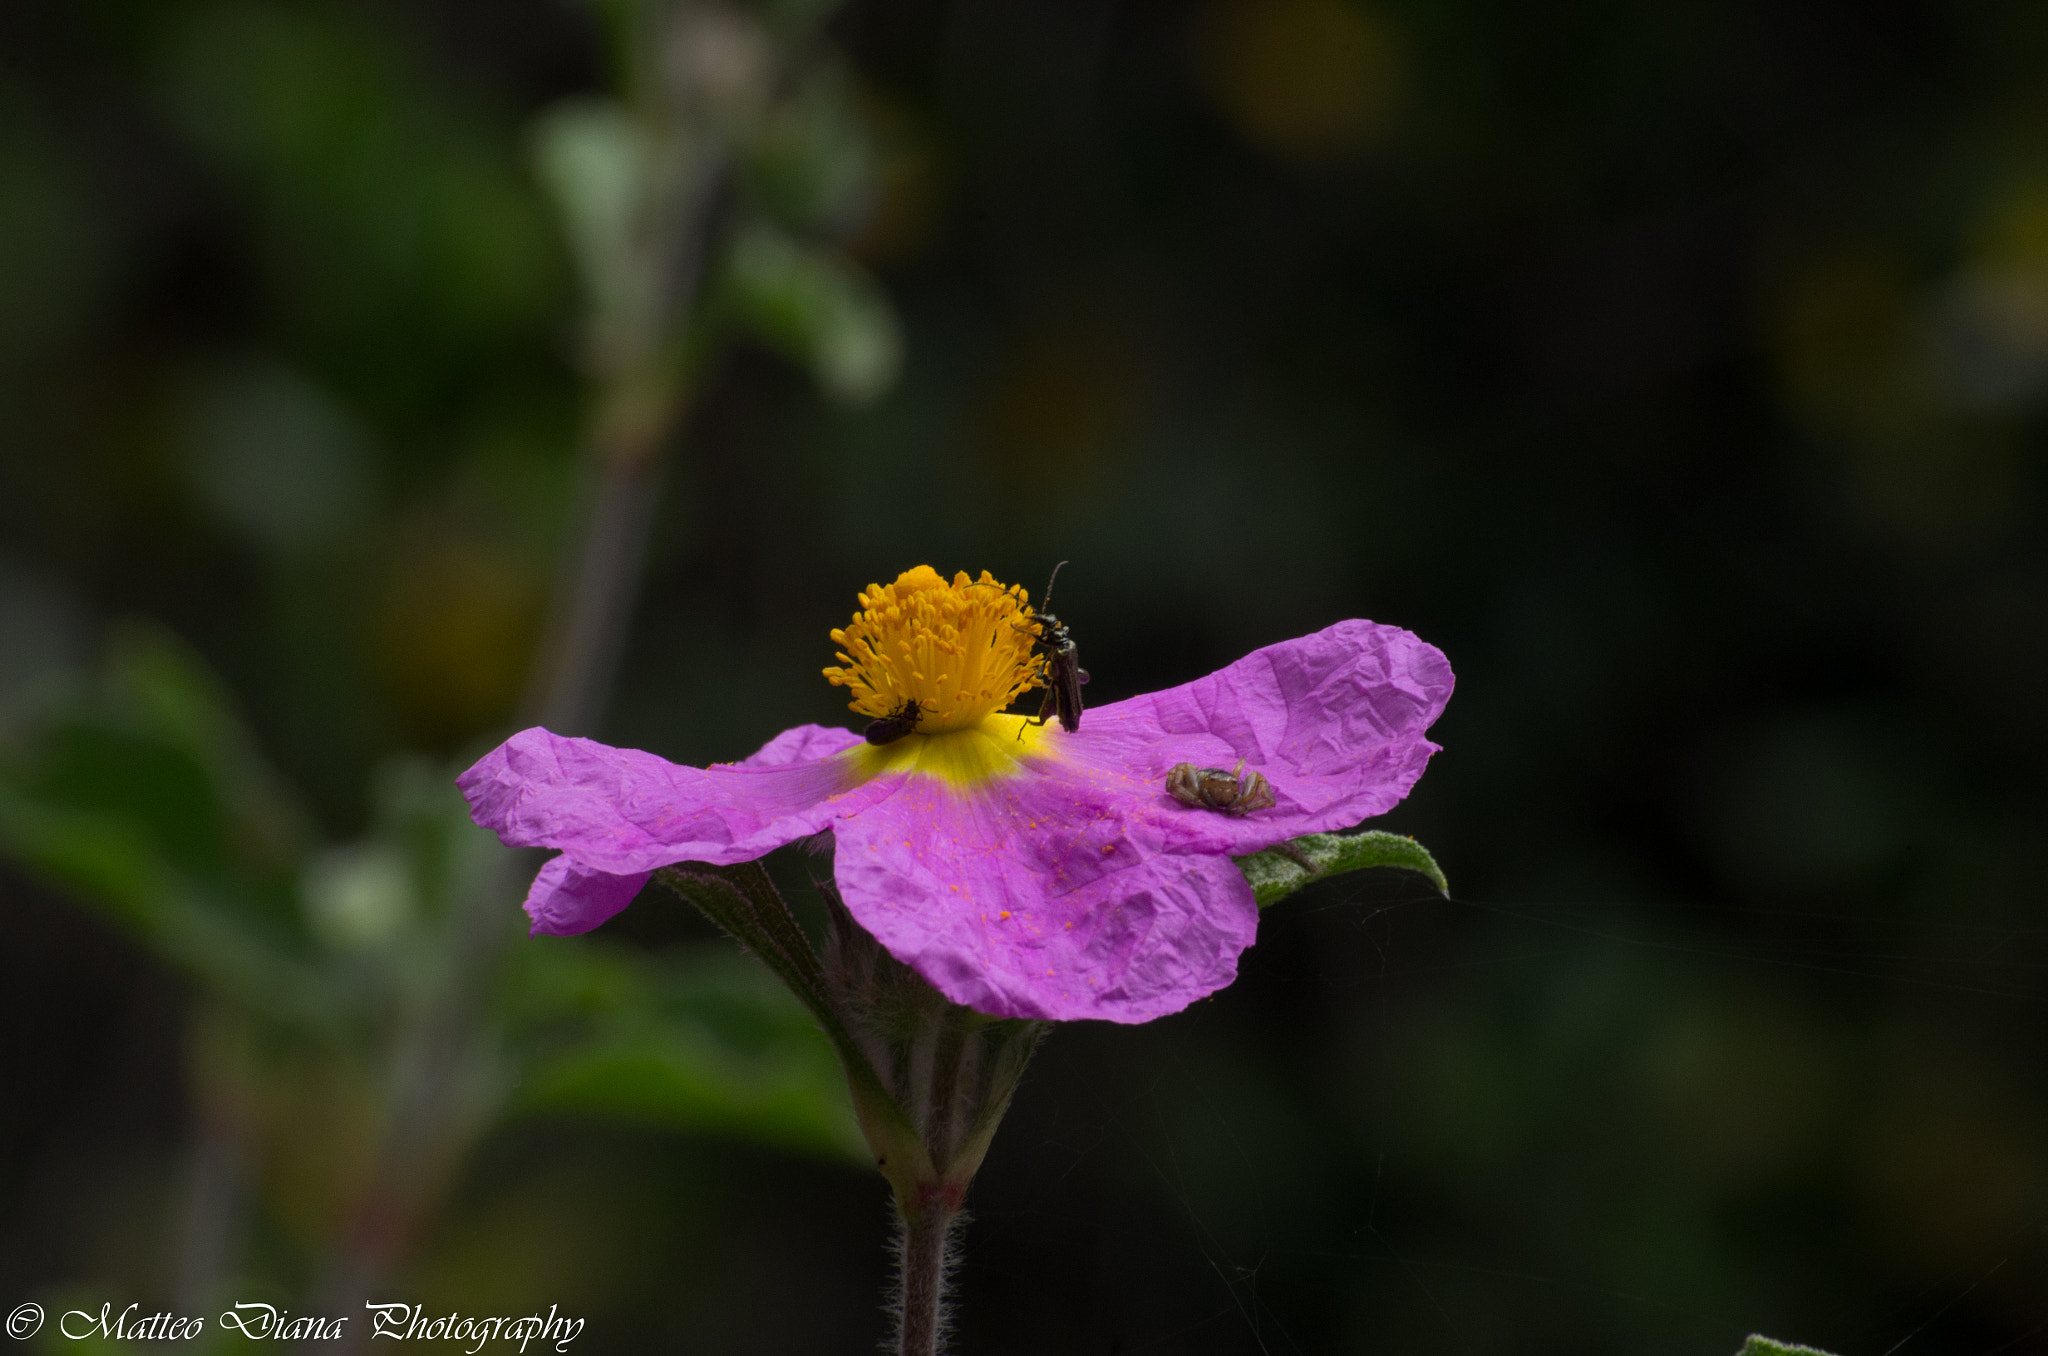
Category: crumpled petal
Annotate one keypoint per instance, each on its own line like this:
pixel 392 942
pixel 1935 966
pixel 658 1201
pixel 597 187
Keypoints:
pixel 1334 720
pixel 623 813
pixel 1057 895
pixel 567 899
pixel 802 744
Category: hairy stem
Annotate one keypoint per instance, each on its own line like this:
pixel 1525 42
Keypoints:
pixel 924 1262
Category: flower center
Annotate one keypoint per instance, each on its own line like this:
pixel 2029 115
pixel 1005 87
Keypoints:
pixel 960 650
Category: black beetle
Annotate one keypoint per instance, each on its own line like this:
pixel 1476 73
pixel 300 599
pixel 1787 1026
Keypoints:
pixel 898 723
pixel 1064 676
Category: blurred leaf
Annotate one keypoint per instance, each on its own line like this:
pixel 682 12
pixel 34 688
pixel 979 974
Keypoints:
pixel 1278 872
pixel 703 1041
pixel 360 896
pixel 150 802
pixel 52 248
pixel 157 686
pixel 419 813
pixel 597 164
pixel 797 19
pixel 111 865
pixel 810 164
pixel 278 457
pixel 381 205
pixel 816 310
pixel 1764 1346
pixel 158 750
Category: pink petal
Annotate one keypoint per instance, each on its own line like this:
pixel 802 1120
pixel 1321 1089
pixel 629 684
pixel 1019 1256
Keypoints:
pixel 1335 721
pixel 625 812
pixel 803 744
pixel 566 899
pixel 1059 895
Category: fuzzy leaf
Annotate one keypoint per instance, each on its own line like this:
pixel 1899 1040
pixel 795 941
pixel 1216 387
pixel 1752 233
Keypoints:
pixel 705 1040
pixel 597 165
pixel 1279 871
pixel 112 865
pixel 1764 1346
pixel 816 309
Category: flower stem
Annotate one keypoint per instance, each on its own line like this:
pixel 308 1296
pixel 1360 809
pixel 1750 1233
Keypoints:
pixel 924 1262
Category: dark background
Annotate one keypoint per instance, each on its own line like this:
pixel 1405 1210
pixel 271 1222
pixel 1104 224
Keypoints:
pixel 1678 368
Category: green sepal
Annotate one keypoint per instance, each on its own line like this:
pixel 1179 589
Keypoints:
pixel 930 1079
pixel 1758 1345
pixel 951 1070
pixel 1279 871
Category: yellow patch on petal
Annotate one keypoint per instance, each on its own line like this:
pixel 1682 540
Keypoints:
pixel 961 650
pixel 997 747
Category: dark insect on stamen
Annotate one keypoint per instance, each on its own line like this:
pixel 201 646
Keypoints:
pixel 1227 793
pixel 898 723
pixel 1064 676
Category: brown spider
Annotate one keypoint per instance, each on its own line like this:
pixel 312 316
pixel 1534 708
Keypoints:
pixel 1227 793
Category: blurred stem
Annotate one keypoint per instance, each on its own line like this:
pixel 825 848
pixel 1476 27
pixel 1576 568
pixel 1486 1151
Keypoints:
pixel 638 409
pixel 221 1071
pixel 211 1225
pixel 441 1056
pixel 587 632
pixel 432 1110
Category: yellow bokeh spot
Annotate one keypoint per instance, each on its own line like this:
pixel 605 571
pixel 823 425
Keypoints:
pixel 1308 79
pixel 961 650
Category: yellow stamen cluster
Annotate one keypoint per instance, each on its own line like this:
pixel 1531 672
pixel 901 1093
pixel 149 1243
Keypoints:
pixel 962 649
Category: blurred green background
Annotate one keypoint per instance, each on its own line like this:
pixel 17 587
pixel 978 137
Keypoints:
pixel 1680 369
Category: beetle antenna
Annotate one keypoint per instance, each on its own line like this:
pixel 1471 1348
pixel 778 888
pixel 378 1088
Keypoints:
pixel 1046 601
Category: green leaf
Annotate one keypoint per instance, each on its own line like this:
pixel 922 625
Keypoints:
pixel 597 163
pixel 1765 1346
pixel 110 864
pixel 705 1041
pixel 815 309
pixel 161 688
pixel 809 165
pixel 343 151
pixel 1279 871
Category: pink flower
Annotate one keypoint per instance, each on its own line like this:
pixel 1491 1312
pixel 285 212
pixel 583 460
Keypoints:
pixel 1023 870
